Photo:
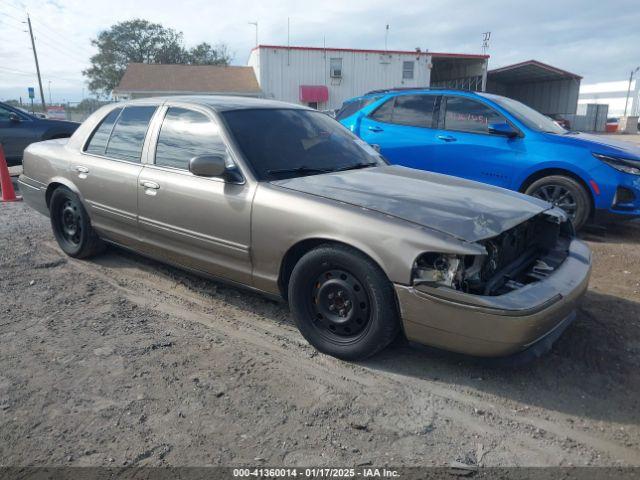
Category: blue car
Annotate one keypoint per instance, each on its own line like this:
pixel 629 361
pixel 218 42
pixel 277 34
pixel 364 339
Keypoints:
pixel 497 140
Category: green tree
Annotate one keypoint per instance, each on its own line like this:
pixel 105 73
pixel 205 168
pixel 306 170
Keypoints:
pixel 140 41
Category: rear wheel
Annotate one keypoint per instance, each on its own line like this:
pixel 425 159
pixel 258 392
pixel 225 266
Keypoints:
pixel 71 225
pixel 565 193
pixel 343 303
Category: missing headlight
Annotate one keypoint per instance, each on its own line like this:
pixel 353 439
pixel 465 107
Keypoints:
pixel 438 268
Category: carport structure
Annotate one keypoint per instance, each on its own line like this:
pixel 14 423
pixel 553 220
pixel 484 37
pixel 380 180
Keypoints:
pixel 548 89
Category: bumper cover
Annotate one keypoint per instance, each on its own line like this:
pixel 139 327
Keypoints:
pixel 501 325
pixel 34 194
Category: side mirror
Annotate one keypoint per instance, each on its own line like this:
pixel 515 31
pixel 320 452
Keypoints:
pixel 208 165
pixel 14 118
pixel 502 129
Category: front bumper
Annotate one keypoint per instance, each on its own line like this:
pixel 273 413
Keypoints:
pixel 501 325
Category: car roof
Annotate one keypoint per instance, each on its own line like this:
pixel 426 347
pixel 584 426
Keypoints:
pixel 407 91
pixel 221 103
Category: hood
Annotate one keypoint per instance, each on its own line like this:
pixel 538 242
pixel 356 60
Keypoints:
pixel 600 144
pixel 467 210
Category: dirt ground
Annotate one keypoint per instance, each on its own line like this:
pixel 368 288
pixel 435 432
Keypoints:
pixel 120 360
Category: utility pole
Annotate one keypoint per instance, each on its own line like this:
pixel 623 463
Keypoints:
pixel 50 102
pixel 629 90
pixel 35 56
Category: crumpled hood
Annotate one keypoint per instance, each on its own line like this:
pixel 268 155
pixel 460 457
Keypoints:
pixel 467 210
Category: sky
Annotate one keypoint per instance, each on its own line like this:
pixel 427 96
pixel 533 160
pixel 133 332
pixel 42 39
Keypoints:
pixel 597 39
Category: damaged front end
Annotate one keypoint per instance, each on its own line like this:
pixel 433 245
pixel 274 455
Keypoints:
pixel 526 253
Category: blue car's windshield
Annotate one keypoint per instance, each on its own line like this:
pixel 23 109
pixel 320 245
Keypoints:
pixel 527 115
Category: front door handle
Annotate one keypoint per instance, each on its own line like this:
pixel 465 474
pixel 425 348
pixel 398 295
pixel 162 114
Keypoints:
pixel 375 129
pixel 150 188
pixel 446 138
pixel 149 184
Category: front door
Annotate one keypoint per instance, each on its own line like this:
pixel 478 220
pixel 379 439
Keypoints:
pixel 106 172
pixel 465 148
pixel 16 133
pixel 201 223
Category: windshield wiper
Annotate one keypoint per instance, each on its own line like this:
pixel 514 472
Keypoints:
pixel 356 166
pixel 302 170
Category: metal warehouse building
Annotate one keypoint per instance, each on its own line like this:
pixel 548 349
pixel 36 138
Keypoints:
pixel 543 87
pixel 325 77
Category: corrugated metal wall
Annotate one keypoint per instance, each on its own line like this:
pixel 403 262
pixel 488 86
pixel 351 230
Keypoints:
pixel 548 97
pixel 280 72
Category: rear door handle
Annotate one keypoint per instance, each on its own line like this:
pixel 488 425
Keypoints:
pixel 446 138
pixel 375 129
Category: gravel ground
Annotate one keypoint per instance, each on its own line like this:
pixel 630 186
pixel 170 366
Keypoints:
pixel 120 360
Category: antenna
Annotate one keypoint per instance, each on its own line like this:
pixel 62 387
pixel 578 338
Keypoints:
pixel 255 24
pixel 486 36
pixel 386 36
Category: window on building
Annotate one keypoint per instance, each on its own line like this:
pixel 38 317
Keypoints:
pixel 335 65
pixel 127 137
pixel 98 141
pixel 465 115
pixel 407 70
pixel 186 134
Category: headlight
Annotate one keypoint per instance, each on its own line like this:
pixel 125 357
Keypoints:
pixel 621 164
pixel 438 268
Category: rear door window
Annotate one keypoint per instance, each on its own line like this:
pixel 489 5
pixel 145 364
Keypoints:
pixel 186 134
pixel 411 110
pixel 127 137
pixel 100 137
pixel 465 115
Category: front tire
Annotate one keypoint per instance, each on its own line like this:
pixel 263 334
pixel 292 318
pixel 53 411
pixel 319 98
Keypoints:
pixel 343 303
pixel 71 225
pixel 565 193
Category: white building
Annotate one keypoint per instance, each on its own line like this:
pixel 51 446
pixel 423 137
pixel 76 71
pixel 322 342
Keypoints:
pixel 613 94
pixel 325 77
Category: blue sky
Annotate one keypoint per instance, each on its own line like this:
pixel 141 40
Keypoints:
pixel 599 40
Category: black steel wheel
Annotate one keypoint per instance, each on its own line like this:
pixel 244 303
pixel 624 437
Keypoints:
pixel 342 302
pixel 565 193
pixel 71 225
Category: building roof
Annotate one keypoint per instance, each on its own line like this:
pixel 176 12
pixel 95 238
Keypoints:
pixel 167 78
pixel 382 52
pixel 529 72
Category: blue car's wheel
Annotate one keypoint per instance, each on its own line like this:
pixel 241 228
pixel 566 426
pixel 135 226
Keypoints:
pixel 566 193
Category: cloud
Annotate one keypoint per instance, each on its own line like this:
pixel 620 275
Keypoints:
pixel 598 40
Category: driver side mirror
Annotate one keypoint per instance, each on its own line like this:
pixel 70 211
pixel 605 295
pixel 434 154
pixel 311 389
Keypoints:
pixel 214 166
pixel 14 118
pixel 503 129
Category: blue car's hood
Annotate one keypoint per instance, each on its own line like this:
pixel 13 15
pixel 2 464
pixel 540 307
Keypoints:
pixel 600 144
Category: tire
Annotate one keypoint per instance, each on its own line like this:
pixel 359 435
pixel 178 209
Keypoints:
pixel 71 225
pixel 343 303
pixel 566 193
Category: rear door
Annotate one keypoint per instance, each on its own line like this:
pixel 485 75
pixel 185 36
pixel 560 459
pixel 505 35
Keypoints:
pixel 465 148
pixel 201 223
pixel 404 128
pixel 107 170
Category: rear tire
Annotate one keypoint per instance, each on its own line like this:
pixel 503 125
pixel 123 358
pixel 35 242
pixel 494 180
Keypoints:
pixel 71 225
pixel 567 194
pixel 343 303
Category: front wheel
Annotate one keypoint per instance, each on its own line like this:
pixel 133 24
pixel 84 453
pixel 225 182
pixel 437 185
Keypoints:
pixel 565 193
pixel 343 303
pixel 71 225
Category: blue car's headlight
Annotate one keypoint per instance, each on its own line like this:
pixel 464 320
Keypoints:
pixel 622 164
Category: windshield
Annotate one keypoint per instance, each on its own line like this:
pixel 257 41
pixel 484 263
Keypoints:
pixel 349 108
pixel 285 143
pixel 527 115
